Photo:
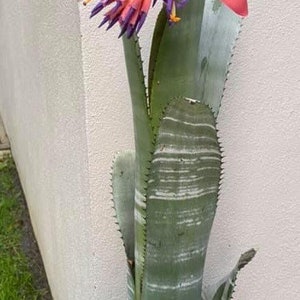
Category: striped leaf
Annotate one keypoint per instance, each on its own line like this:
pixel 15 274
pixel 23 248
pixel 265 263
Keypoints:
pixel 143 147
pixel 181 201
pixel 225 288
pixel 130 284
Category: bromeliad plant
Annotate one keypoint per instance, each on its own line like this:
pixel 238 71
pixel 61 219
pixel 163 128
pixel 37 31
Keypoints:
pixel 165 193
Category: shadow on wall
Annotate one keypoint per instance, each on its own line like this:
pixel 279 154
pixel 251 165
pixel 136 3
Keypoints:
pixel 4 142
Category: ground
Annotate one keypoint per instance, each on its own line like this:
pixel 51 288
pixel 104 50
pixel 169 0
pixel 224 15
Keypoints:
pixel 22 275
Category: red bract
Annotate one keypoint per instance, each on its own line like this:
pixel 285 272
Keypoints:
pixel 240 7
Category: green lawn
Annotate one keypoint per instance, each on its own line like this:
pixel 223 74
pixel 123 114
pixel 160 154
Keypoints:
pixel 16 281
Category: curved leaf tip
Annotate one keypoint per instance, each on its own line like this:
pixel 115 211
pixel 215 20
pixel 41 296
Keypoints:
pixel 246 258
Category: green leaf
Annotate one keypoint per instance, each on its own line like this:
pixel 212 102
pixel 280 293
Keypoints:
pixel 191 58
pixel 130 284
pixel 143 146
pixel 181 201
pixel 123 197
pixel 176 59
pixel 220 29
pixel 225 288
pixel 160 25
pixel 135 74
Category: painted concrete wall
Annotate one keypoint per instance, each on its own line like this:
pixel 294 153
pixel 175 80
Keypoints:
pixel 43 109
pixel 4 142
pixel 65 105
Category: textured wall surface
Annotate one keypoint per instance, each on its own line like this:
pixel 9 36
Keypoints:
pixel 68 112
pixel 260 129
pixel 42 105
pixel 3 136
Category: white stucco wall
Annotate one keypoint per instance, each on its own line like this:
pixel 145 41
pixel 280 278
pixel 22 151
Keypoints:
pixel 65 105
pixel 43 108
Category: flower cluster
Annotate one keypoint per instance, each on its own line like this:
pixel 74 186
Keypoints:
pixel 131 14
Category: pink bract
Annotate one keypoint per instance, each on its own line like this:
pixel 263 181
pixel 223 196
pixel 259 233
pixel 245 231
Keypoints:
pixel 240 7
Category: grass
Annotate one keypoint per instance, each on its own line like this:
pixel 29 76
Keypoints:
pixel 16 280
